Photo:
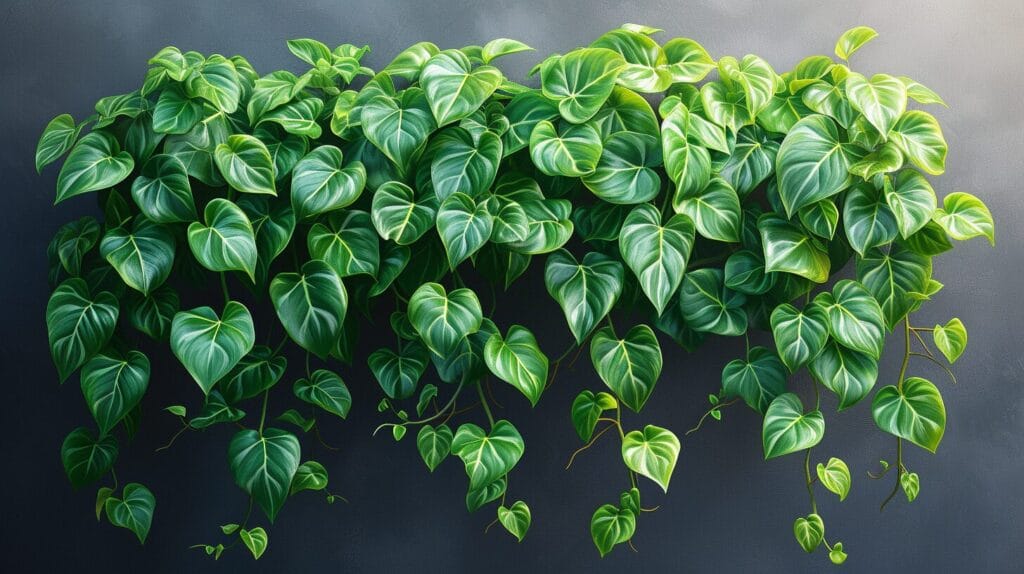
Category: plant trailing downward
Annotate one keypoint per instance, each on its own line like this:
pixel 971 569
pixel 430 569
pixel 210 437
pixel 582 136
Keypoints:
pixel 727 210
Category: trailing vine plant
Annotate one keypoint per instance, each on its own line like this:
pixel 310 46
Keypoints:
pixel 729 210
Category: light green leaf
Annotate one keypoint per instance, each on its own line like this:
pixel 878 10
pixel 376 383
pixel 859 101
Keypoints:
pixel 882 99
pixel 255 540
pixel 610 526
pixel 855 318
pixel 216 81
pixel 921 93
pixel 320 183
pixel 444 319
pixel 434 444
pixel 272 91
pixel 464 226
pixel 581 81
pixel 914 412
pixel 911 485
pixel 311 306
pixel 210 346
pixel 753 75
pixel 113 386
pixel 646 65
pixel 687 60
pixel 851 41
pixel 400 215
pixel 964 216
pixel 629 366
pixel 515 519
pixel 726 107
pixel 847 373
pixel 758 379
pixel 687 162
pixel 919 137
pixel 246 165
pixel 227 241
pixel 400 126
pixel 96 162
pixel 78 324
pixel 487 456
pixel 950 339
pixel 464 164
pixel 709 306
pixel 809 532
pixel 298 117
pixel 572 151
pixel 812 164
pixel 787 248
pixel 835 476
pixel 585 290
pixel 134 510
pixel 518 360
pixel 886 159
pixel 454 88
pixel 651 453
pixel 911 199
pixel 325 390
pixel 656 253
pixel 264 465
pixel 502 47
pixel 787 429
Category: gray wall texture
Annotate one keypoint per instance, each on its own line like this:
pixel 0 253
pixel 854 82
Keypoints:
pixel 727 510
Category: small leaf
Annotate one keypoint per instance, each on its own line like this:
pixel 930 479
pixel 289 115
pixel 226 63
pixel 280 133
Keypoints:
pixel 587 408
pixel 611 525
pixel 809 532
pixel 487 456
pixel 853 39
pixel 517 360
pixel 835 476
pixel 836 555
pixel 629 366
pixel 911 485
pixel 246 165
pixel 964 216
pixel 652 452
pixel 255 540
pixel 96 162
pixel 134 510
pixel 951 339
pixel 914 412
pixel 515 519
pixel 325 390
pixel 434 444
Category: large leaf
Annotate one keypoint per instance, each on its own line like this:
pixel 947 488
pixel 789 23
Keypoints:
pixel 311 306
pixel 651 452
pixel 892 275
pixel 487 456
pixel 882 99
pixel 847 373
pixel 216 81
pixel 325 390
pixel 799 335
pixel 855 318
pixel 629 366
pixel 688 61
pixel 464 164
pixel 86 458
pixel 656 253
pixel 246 165
pixel 264 465
pixel 624 171
pixel 715 211
pixel 911 200
pixel 687 162
pixel 919 137
pixel 210 346
pixel 444 319
pixel 517 359
pixel 548 226
pixel 913 411
pixel 585 290
pixel 812 163
pixel 709 306
pixel 580 81
pixel 757 380
pixel 142 256
pixel 399 373
pixel 400 215
pixel 73 240
pixel 347 241
pixel 964 216
pixel 454 88
pixel 112 386
pixel 78 324
pixel 254 373
pixel 273 223
pixel 227 241
pixel 787 248
pixel 320 182
pixel 399 127
pixel 96 162
pixel 570 150
pixel 464 225
pixel 867 218
pixel 163 191
pixel 753 75
pixel 787 429
pixel 646 65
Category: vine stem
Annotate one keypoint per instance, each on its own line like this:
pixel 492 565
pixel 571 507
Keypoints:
pixel 708 413
pixel 483 401
pixel 224 287
pixel 810 483
pixel 184 428
pixel 435 416
pixel 263 411
pixel 593 440
pixel 934 360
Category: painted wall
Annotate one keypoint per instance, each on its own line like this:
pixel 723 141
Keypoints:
pixel 727 511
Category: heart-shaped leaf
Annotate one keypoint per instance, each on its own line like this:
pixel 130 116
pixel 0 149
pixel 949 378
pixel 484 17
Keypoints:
pixel 812 164
pixel 255 540
pixel 246 165
pixel 835 476
pixel 715 211
pixel 656 253
pixel 462 163
pixel 227 241
pixel 517 360
pixel 454 88
pixel 651 452
pixel 580 81
pixel 848 373
pixel 913 411
pixel 788 429
pixel 867 218
pixel 464 226
pixel 113 386
pixel 709 306
pixel 400 126
pixel 624 173
pixel 787 248
pixel 57 138
pixel 444 319
pixel 587 408
pixel 950 339
pixel 347 241
pixel 256 372
pixel 758 379
pixel 264 465
pixel 86 458
pixel 855 318
pixel 611 525
pixel 96 162
pixel 399 373
pixel 571 150
pixel 585 290
pixel 434 444
pixel 163 191
pixel 400 215
pixel 799 335
pixel 134 510
pixel 629 366
pixel 809 532
pixel 210 346
pixel 515 519
pixel 912 201
pixel 78 324
pixel 964 216
pixel 311 475
pixel 142 256
pixel 882 99
pixel 325 390
pixel 321 183
pixel 311 306
pixel 487 456
pixel 919 137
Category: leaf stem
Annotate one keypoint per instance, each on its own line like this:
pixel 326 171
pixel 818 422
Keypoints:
pixel 593 439
pixel 435 416
pixel 719 406
pixel 263 412
pixel 936 361
pixel 810 483
pixel 224 287
pixel 483 401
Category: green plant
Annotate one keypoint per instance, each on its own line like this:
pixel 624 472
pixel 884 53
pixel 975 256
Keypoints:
pixel 727 211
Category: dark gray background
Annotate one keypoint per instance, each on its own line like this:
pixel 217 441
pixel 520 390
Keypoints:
pixel 727 510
